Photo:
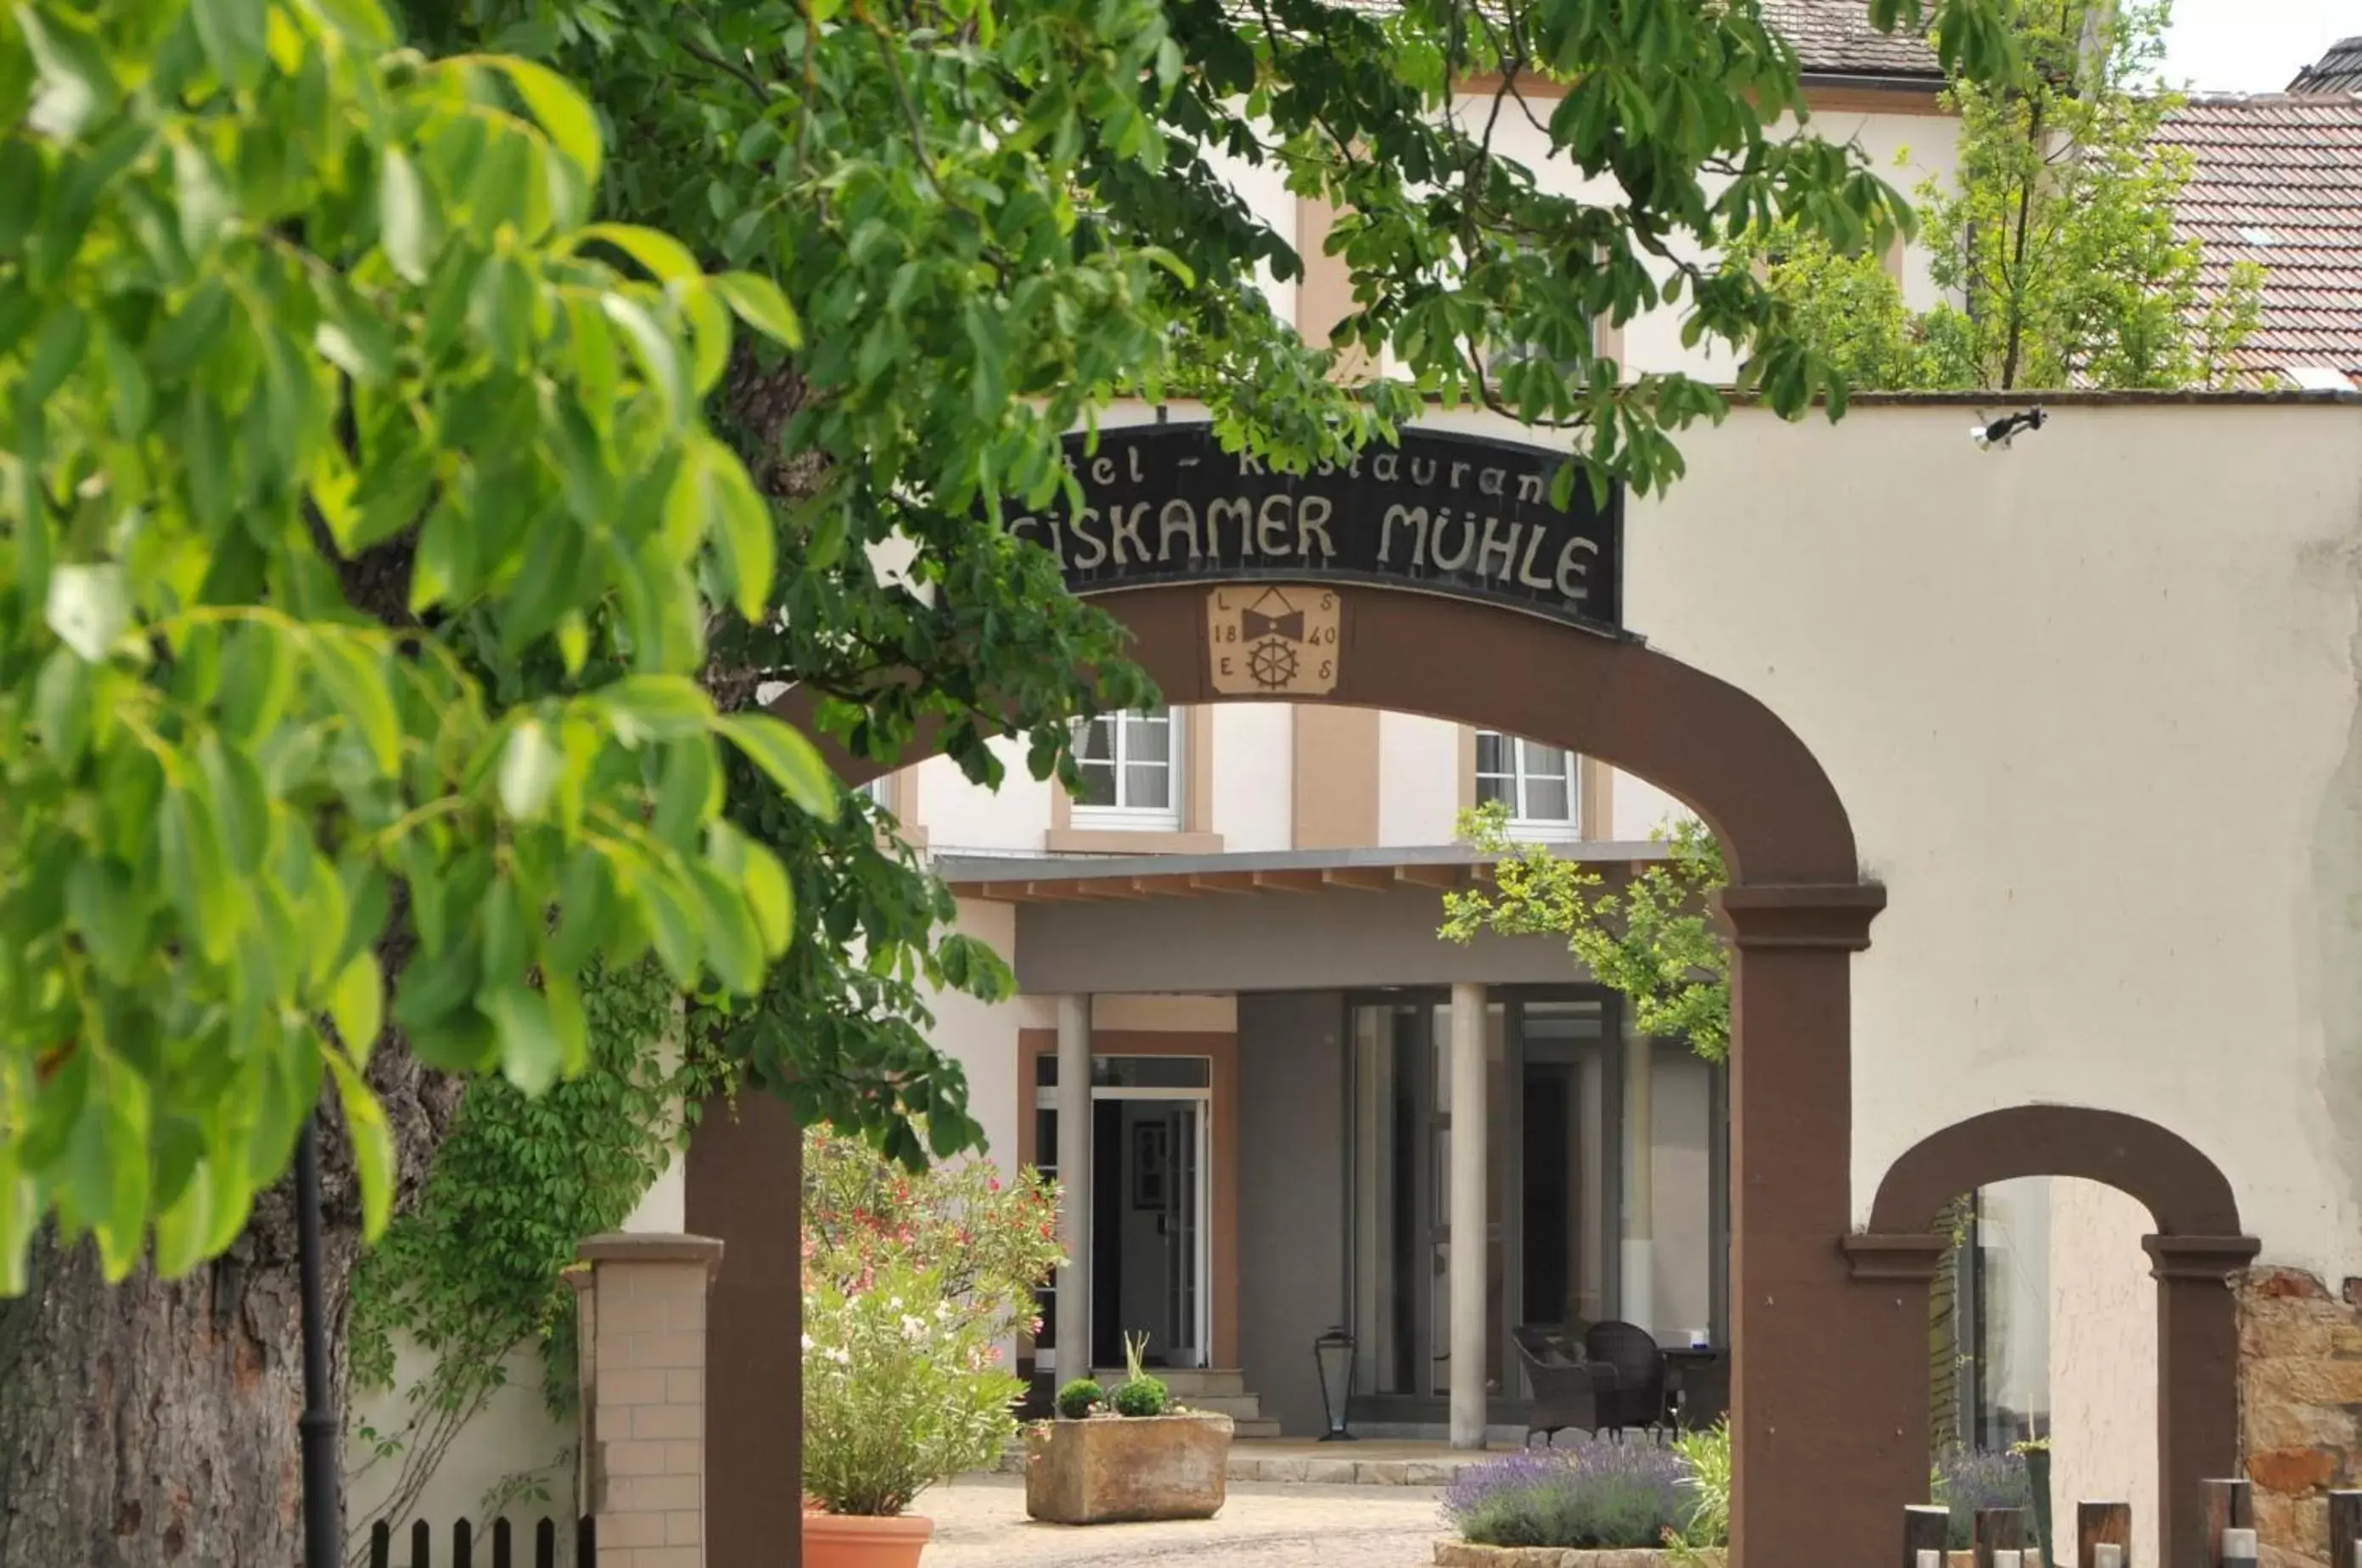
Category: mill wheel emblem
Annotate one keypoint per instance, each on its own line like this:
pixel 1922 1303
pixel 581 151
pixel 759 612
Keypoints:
pixel 1276 640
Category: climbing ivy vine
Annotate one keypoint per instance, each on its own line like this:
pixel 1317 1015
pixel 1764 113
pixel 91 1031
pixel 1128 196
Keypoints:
pixel 476 1270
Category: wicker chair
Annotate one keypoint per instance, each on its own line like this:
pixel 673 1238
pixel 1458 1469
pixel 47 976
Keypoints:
pixel 1566 1389
pixel 1634 1396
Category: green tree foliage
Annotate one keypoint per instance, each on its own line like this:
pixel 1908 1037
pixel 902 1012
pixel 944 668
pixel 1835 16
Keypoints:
pixel 2054 244
pixel 288 314
pixel 1652 939
pixel 375 596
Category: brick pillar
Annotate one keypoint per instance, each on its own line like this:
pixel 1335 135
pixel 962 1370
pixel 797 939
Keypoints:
pixel 643 1337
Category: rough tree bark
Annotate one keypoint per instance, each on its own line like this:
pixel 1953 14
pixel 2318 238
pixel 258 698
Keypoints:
pixel 153 1423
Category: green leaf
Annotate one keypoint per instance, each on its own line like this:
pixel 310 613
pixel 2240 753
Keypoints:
pixel 674 923
pixel 355 676
pixel 760 305
pixel 57 350
pixel 666 259
pixel 654 708
pixel 353 337
pixel 232 32
pixel 742 527
pixel 373 1151
pixel 357 1004
pixel 658 353
pixel 405 221
pixel 531 765
pixel 77 87
pixel 61 707
pixel 770 897
pixel 204 202
pixel 791 762
pixel 181 1227
pixel 89 608
pixel 531 1051
pixel 563 112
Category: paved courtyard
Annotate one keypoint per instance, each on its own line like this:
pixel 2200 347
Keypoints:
pixel 980 1523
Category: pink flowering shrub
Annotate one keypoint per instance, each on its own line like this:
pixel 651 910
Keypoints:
pixel 912 1284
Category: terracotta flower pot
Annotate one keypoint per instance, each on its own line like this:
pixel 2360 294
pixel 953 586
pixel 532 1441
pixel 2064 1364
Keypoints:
pixel 850 1540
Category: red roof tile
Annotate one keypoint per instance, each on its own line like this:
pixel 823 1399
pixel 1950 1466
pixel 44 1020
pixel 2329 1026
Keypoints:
pixel 1834 38
pixel 2278 181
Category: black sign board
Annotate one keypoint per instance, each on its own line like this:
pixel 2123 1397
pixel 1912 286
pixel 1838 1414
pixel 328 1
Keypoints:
pixel 1450 514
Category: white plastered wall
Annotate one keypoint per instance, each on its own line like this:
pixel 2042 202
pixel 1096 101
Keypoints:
pixel 2102 1355
pixel 1419 779
pixel 513 1435
pixel 1253 773
pixel 2091 704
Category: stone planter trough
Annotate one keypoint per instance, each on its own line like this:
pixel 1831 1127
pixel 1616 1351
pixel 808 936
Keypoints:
pixel 1124 1468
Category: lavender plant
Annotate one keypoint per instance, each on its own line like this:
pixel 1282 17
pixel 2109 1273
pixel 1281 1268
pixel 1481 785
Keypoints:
pixel 1966 1481
pixel 1598 1495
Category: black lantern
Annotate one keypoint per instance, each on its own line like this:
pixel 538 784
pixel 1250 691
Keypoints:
pixel 1334 1353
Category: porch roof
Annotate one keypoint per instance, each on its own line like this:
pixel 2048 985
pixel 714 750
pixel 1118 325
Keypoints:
pixel 1039 879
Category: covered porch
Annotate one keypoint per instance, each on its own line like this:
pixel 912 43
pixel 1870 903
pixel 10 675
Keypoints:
pixel 1313 1174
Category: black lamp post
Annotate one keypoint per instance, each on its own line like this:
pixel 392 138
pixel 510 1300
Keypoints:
pixel 1333 1353
pixel 317 1425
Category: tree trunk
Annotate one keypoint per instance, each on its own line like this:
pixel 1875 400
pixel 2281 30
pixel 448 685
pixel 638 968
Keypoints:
pixel 153 1423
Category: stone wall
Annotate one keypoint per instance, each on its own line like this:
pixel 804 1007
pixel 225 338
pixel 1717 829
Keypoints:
pixel 2299 1406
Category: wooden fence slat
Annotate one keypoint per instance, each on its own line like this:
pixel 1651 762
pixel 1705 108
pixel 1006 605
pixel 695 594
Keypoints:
pixel 544 1544
pixel 2345 1529
pixel 2102 1524
pixel 586 1542
pixel 422 1545
pixel 500 1546
pixel 2230 1504
pixel 381 1545
pixel 463 1545
pixel 1999 1530
pixel 1926 1527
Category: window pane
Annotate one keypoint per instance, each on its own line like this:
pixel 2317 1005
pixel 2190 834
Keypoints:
pixel 1098 784
pixel 1096 740
pixel 1493 789
pixel 1547 760
pixel 1153 1072
pixel 1546 800
pixel 1491 749
pixel 1147 785
pixel 1148 738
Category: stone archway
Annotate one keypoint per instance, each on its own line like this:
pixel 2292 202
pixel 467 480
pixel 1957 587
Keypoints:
pixel 1804 1413
pixel 2197 1247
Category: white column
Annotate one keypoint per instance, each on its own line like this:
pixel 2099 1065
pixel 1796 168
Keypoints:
pixel 1074 1324
pixel 1639 1194
pixel 1468 1248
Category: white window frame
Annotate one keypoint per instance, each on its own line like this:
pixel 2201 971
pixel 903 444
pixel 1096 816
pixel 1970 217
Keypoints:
pixel 1148 818
pixel 1523 824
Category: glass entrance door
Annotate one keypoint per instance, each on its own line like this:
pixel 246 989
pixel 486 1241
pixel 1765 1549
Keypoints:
pixel 1150 1250
pixel 1550 1105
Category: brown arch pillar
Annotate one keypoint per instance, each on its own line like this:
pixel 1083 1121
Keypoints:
pixel 2197 1250
pixel 1814 1484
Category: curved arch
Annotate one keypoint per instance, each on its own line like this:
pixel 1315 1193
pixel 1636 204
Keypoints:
pixel 1797 910
pixel 2184 1193
pixel 2197 1247
pixel 1722 753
